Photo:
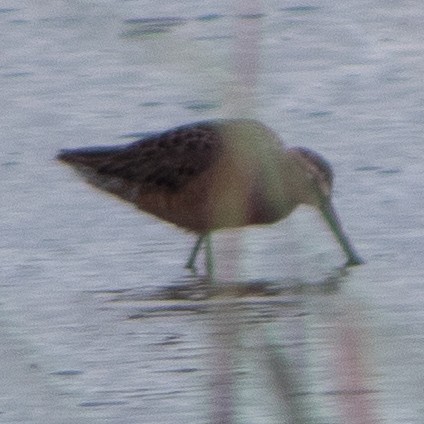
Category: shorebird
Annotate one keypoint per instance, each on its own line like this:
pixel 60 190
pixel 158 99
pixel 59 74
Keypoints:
pixel 213 175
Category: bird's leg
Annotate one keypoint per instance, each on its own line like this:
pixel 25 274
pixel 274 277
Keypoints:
pixel 209 257
pixel 193 254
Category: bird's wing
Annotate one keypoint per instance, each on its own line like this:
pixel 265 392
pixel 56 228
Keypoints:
pixel 165 161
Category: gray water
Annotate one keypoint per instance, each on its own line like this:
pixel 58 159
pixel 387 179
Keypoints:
pixel 91 327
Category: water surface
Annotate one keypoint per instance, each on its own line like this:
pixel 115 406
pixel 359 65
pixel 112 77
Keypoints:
pixel 91 331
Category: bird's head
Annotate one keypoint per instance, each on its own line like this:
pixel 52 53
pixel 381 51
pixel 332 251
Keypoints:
pixel 315 188
pixel 315 176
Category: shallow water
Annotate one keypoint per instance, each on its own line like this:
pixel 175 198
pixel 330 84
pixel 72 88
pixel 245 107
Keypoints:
pixel 92 325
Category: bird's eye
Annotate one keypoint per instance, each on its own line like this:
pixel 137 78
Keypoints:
pixel 325 188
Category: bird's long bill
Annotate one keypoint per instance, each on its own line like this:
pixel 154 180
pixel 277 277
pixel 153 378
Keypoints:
pixel 330 215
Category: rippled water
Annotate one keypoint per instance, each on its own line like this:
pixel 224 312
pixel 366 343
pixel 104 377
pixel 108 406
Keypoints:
pixel 98 319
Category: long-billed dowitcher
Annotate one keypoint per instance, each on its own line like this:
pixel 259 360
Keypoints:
pixel 211 175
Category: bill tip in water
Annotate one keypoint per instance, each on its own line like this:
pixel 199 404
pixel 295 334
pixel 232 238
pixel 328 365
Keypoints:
pixel 354 260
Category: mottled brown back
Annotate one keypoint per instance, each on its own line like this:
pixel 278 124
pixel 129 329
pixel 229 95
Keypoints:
pixel 162 162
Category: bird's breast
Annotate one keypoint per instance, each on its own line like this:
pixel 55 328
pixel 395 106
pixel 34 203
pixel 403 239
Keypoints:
pixel 267 204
